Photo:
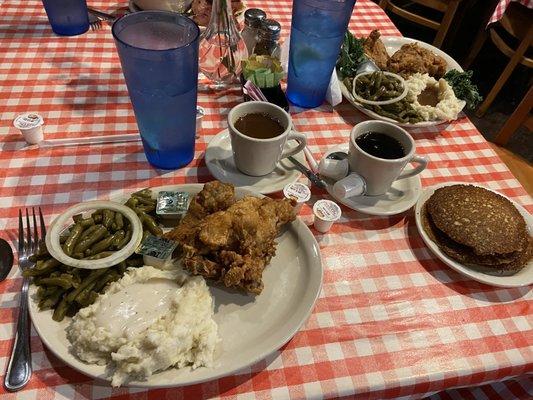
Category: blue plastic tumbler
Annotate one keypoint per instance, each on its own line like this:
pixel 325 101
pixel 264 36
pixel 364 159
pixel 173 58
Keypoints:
pixel 158 51
pixel 317 31
pixel 67 17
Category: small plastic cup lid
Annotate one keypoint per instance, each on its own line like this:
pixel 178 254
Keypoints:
pixel 297 191
pixel 327 210
pixel 28 121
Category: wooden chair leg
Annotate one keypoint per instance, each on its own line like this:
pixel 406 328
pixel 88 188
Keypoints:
pixel 517 119
pixel 445 23
pixel 476 47
pixel 384 4
pixel 524 45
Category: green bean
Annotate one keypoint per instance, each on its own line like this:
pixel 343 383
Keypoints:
pixel 88 241
pixel 89 231
pixel 132 202
pixel 109 217
pixel 97 212
pixel 76 218
pixel 121 267
pixel 143 193
pixel 101 284
pixel 59 281
pixel 73 239
pixel 98 218
pixel 125 240
pixel 51 300
pixel 61 310
pixel 150 224
pixel 119 221
pixel 93 276
pixel 44 268
pixel 147 209
pixel 87 222
pixel 78 255
pixel 103 244
pixel 145 201
pixel 98 256
pixel 118 237
pixel 81 299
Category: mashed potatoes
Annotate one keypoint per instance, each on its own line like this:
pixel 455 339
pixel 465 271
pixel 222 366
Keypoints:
pixel 445 106
pixel 148 321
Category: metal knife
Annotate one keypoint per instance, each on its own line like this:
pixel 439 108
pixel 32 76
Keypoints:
pixel 314 178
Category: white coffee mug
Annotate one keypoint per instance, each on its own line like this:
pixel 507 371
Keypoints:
pixel 259 157
pixel 380 173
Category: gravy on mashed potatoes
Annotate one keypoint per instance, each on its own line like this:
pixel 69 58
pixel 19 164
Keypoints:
pixel 432 99
pixel 148 321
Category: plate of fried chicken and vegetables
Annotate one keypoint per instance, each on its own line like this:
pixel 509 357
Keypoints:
pixel 404 81
pixel 222 278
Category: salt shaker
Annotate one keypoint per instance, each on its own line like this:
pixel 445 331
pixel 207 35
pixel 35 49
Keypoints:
pixel 269 33
pixel 252 22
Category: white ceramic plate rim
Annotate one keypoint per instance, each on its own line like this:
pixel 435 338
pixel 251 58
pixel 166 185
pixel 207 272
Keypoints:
pixel 262 350
pixel 263 189
pixel 388 41
pixel 366 209
pixel 522 278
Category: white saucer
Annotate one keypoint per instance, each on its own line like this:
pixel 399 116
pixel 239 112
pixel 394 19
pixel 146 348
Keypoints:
pixel 524 277
pixel 219 160
pixel 403 195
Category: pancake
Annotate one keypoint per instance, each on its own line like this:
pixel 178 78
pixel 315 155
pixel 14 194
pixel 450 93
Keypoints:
pixel 499 265
pixel 485 222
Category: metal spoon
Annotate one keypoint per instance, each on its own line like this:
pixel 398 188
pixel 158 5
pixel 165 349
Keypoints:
pixel 6 259
pixel 337 155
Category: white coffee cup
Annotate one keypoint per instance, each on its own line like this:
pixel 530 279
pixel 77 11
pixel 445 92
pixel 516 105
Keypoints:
pixel 380 173
pixel 259 157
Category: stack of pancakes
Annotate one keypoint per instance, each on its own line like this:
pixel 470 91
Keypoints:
pixel 478 228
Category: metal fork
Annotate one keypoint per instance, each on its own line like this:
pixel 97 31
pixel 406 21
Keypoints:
pixel 94 22
pixel 19 368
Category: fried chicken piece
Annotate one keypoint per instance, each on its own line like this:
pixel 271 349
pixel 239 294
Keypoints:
pixel 215 196
pixel 375 49
pixel 412 58
pixel 234 245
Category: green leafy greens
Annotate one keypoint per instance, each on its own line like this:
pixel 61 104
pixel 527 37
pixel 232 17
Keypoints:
pixel 352 54
pixel 464 89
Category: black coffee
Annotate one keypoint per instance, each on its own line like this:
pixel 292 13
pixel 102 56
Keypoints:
pixel 259 126
pixel 380 145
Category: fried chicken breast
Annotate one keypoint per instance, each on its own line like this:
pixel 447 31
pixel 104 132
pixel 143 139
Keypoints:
pixel 412 58
pixel 231 241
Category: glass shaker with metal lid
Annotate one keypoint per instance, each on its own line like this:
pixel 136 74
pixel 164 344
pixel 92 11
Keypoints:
pixel 252 22
pixel 269 33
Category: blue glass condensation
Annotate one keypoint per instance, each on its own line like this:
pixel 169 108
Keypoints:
pixel 67 17
pixel 317 31
pixel 161 74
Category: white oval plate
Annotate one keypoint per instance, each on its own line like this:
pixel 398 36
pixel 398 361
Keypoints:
pixel 392 44
pixel 219 161
pixel 403 195
pixel 524 277
pixel 250 327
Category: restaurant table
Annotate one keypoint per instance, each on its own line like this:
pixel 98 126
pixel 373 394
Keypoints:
pixel 502 5
pixel 391 320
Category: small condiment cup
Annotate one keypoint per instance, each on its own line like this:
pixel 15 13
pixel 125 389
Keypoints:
pixel 333 169
pixel 326 213
pixel 350 186
pixel 298 192
pixel 31 127
pixel 200 112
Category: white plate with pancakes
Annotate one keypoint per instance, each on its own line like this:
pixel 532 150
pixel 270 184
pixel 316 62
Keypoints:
pixel 524 277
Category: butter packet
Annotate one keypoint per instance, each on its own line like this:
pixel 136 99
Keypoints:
pixel 172 204
pixel 156 251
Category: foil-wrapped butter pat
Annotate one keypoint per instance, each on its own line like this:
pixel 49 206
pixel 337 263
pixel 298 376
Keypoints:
pixel 172 204
pixel 157 251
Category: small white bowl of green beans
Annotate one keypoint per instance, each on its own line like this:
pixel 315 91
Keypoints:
pixel 101 234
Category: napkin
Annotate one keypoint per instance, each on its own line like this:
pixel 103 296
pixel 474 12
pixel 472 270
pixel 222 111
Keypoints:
pixel 333 95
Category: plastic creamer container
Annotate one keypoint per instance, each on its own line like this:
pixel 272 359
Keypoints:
pixel 326 213
pixel 298 192
pixel 31 127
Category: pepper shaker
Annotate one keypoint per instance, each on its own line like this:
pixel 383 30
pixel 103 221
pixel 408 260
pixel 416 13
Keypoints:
pixel 252 22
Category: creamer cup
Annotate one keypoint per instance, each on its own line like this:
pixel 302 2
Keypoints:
pixel 31 127
pixel 298 192
pixel 200 112
pixel 326 213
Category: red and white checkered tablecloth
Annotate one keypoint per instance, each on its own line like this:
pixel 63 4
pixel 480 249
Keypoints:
pixel 502 6
pixel 391 321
